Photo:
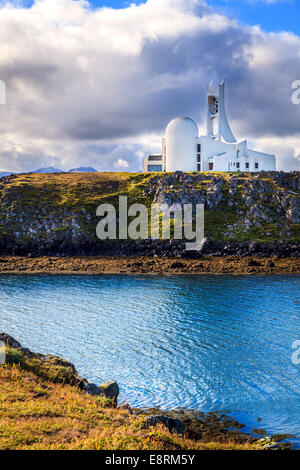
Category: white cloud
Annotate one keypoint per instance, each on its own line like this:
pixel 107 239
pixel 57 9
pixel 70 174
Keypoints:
pixel 97 87
pixel 121 164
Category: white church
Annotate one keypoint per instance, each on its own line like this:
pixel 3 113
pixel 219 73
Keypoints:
pixel 184 150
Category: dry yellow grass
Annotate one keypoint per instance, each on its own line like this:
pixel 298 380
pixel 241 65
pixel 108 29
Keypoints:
pixel 37 414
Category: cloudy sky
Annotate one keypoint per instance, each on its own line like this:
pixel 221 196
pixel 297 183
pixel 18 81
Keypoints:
pixel 95 83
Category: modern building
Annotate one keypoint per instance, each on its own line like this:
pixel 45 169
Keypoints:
pixel 153 163
pixel 184 150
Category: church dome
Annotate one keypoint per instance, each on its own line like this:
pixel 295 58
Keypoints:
pixel 181 144
pixel 182 125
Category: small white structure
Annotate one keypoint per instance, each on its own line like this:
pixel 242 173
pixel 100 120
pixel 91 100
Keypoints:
pixel 184 150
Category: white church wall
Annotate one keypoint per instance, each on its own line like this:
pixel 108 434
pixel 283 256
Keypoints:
pixel 265 161
pixel 181 145
pixel 217 152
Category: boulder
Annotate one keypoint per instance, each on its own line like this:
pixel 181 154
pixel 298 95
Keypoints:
pixel 110 390
pixel 253 262
pixel 126 407
pixel 47 366
pixel 91 389
pixel 173 425
pixel 177 264
pixel 10 341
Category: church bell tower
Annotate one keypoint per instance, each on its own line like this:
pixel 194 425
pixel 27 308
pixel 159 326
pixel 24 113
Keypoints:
pixel 216 112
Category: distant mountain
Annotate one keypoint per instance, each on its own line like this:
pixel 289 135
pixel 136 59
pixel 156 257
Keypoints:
pixel 6 173
pixel 48 169
pixel 83 169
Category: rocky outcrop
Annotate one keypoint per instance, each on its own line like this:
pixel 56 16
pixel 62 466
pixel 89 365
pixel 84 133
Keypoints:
pixel 109 390
pixel 293 212
pixel 56 369
pixel 57 218
pixel 194 425
pixel 172 424
pixel 46 366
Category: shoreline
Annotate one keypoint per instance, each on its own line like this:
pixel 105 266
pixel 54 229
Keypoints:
pixel 192 429
pixel 139 265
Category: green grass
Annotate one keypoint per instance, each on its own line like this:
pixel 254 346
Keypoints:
pixel 40 410
pixel 62 197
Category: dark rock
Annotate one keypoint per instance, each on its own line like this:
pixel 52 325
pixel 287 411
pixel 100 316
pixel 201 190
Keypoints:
pixel 293 213
pixel 45 364
pixel 110 390
pixel 10 341
pixel 177 264
pixel 270 264
pixel 253 262
pixel 173 425
pixel 253 247
pixel 126 407
pixel 91 389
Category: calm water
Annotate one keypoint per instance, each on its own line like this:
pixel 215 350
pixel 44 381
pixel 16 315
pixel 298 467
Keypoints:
pixel 207 343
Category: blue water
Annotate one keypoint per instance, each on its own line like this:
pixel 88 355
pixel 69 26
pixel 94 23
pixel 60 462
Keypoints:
pixel 200 342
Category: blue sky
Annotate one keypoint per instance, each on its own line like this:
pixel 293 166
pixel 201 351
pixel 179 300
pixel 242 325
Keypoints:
pixel 277 16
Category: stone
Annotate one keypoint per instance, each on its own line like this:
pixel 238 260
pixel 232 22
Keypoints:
pixel 91 389
pixel 173 425
pixel 10 341
pixel 204 244
pixel 270 264
pixel 268 443
pixel 110 390
pixel 126 407
pixel 65 371
pixel 293 213
pixel 253 262
pixel 177 264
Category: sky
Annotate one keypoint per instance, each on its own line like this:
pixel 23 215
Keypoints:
pixel 95 83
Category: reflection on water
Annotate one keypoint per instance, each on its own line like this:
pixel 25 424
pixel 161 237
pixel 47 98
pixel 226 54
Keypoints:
pixel 201 342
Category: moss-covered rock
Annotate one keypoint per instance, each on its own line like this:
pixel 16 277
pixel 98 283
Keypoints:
pixel 55 214
pixel 47 367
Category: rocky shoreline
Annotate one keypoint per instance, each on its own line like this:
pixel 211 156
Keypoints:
pixel 150 265
pixel 245 214
pixel 198 426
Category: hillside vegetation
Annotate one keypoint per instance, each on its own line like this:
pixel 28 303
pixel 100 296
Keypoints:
pixel 43 407
pixel 56 213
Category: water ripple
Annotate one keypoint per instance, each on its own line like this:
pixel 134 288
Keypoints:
pixel 199 342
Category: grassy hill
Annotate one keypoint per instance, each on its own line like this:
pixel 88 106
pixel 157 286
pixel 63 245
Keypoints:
pixel 53 211
pixel 40 410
